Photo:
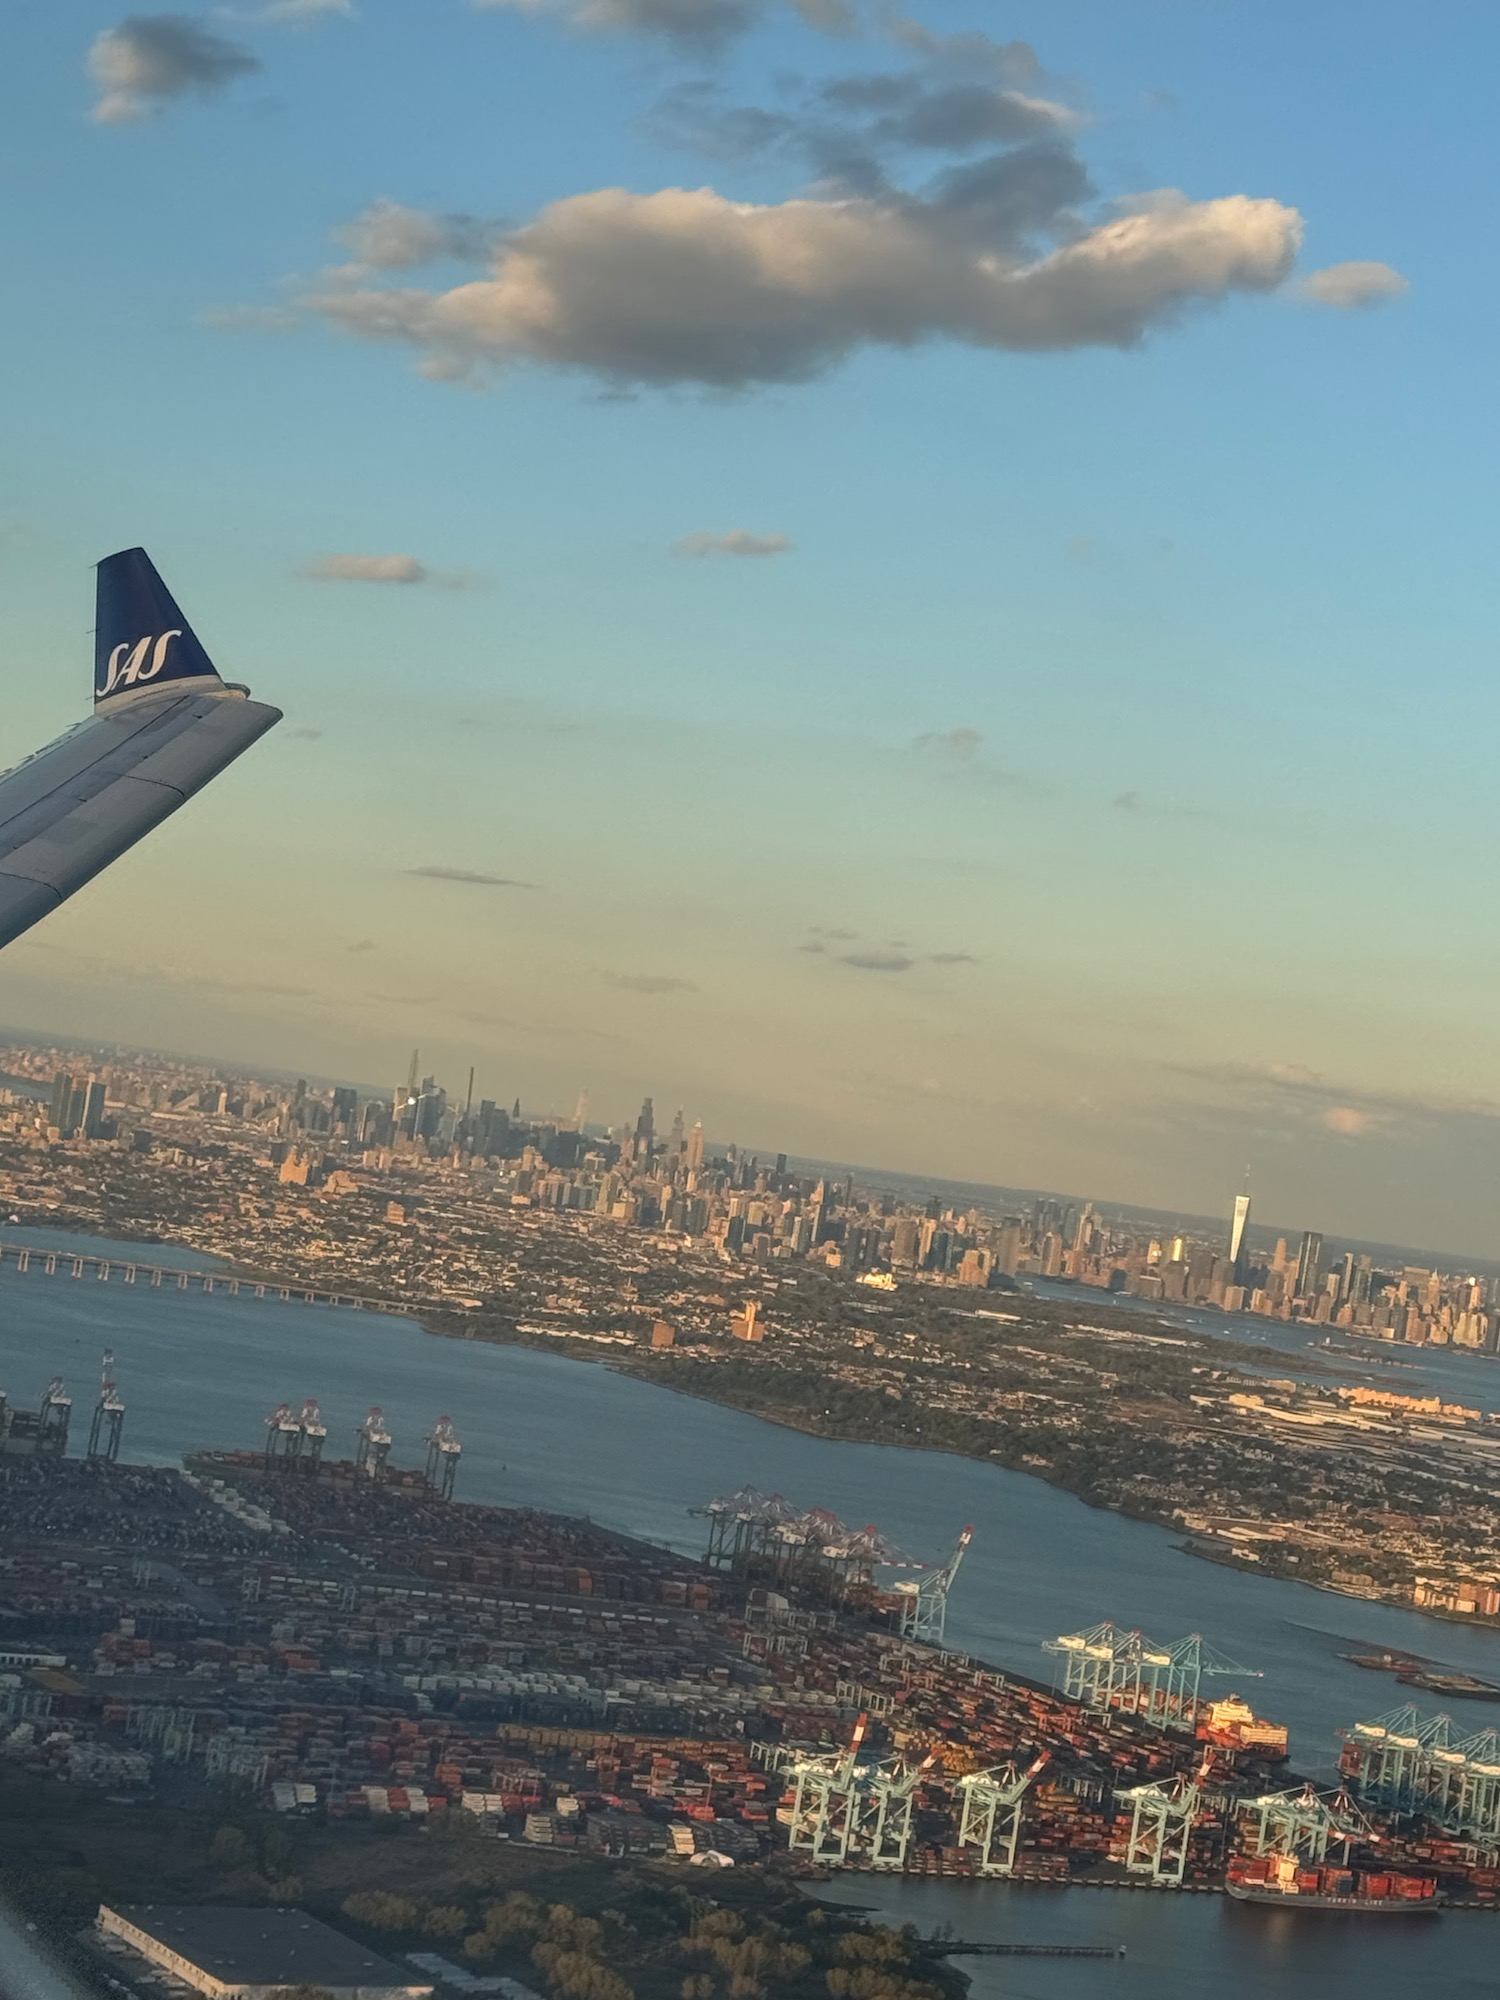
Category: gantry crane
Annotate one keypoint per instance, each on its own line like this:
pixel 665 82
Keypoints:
pixel 848 1810
pixel 443 1454
pixel 924 1604
pixel 312 1435
pixel 283 1435
pixel 109 1414
pixel 1162 1819
pixel 372 1444
pixel 54 1418
pixel 1107 1667
pixel 1305 1823
pixel 990 1819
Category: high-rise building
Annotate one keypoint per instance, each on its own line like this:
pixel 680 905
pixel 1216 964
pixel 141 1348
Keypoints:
pixel 94 1109
pixel 1309 1259
pixel 645 1130
pixel 695 1148
pixel 1237 1228
pixel 63 1087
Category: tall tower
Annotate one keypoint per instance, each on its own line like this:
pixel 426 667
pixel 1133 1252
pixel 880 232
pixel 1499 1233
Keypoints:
pixel 645 1130
pixel 1309 1262
pixel 695 1148
pixel 1237 1229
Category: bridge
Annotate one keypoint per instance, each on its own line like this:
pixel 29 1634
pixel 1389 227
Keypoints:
pixel 168 1277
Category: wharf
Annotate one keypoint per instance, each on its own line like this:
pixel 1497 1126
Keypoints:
pixel 939 1949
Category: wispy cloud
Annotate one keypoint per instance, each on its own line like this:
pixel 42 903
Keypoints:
pixel 1348 1110
pixel 250 319
pixel 650 982
pixel 300 11
pixel 150 60
pixel 433 873
pixel 698 26
pixel 877 961
pixel 368 569
pixel 737 542
pixel 1350 287
pixel 960 745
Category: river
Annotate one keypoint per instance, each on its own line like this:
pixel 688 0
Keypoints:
pixel 558 1434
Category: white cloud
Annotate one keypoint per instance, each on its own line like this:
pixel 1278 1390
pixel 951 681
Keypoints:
pixel 388 236
pixel 1349 286
pixel 685 286
pixel 150 59
pixel 368 569
pixel 1348 1121
pixel 738 542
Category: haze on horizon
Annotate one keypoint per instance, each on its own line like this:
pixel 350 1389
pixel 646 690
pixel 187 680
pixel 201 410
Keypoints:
pixel 919 594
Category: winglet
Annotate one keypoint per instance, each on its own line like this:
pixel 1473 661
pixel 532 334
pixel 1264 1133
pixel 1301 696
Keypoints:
pixel 141 639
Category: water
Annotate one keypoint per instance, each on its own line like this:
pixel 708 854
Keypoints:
pixel 573 1437
pixel 1189 1947
pixel 1456 1374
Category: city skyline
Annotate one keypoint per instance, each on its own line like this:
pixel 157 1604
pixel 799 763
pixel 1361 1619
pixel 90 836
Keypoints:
pixel 418 1111
pixel 851 729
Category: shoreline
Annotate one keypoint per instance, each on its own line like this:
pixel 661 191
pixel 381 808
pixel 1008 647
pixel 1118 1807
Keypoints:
pixel 449 1323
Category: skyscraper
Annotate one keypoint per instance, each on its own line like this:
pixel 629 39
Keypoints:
pixel 1309 1261
pixel 645 1130
pixel 695 1148
pixel 63 1087
pixel 1237 1229
pixel 93 1109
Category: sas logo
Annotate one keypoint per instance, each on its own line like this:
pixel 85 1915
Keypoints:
pixel 130 665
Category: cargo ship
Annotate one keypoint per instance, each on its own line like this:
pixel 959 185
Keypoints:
pixel 1284 1883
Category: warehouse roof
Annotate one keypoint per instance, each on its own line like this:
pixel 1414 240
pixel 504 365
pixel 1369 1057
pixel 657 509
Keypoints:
pixel 248 1947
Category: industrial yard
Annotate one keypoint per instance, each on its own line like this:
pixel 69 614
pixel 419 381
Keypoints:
pixel 346 1652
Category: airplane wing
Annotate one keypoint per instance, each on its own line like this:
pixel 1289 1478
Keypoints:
pixel 164 723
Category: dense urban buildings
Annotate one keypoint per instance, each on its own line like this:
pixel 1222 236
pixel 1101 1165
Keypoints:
pixel 393 1152
pixel 1041 1333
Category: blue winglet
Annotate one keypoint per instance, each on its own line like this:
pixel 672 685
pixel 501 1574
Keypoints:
pixel 141 639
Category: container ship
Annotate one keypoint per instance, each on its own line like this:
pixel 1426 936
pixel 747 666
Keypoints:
pixel 1285 1883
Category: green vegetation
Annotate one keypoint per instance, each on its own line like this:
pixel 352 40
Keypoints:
pixel 573 1927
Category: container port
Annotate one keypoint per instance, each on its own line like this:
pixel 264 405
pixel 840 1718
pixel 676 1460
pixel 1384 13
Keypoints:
pixel 337 1637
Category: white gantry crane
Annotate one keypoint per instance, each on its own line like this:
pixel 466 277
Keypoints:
pixel 990 1819
pixel 372 1444
pixel 924 1603
pixel 283 1434
pixel 312 1434
pixel 54 1418
pixel 1305 1824
pixel 853 1811
pixel 1162 1819
pixel 109 1414
pixel 443 1454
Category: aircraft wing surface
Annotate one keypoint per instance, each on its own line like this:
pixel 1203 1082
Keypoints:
pixel 164 723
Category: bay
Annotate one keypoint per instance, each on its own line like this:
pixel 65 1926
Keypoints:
pixel 543 1431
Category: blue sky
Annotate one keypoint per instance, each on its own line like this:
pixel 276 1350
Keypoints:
pixel 1077 771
